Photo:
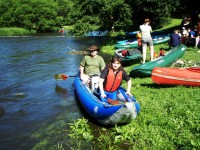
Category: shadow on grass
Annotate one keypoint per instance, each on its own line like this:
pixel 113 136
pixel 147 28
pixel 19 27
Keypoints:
pixel 158 86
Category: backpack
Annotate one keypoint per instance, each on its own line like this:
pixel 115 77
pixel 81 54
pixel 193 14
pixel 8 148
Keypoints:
pixel 124 53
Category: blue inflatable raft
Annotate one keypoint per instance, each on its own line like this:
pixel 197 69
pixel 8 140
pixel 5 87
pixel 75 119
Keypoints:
pixel 124 111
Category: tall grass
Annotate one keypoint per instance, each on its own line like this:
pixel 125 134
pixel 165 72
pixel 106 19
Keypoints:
pixel 14 31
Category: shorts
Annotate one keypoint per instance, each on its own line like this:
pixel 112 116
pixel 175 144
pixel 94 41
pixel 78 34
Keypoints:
pixel 147 41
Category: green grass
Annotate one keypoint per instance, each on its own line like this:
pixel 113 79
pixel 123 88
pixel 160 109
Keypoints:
pixel 14 31
pixel 68 27
pixel 169 117
pixel 173 24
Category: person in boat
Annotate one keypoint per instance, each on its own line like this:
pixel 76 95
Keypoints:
pixel 146 39
pixel 91 64
pixel 111 79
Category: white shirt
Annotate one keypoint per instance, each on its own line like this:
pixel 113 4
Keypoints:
pixel 145 30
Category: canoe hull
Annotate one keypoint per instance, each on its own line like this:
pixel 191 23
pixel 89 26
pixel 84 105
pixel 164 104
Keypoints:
pixel 170 57
pixel 176 76
pixel 104 112
pixel 133 44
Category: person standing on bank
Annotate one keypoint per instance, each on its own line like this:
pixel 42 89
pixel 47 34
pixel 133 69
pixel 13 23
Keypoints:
pixel 111 79
pixel 91 64
pixel 146 39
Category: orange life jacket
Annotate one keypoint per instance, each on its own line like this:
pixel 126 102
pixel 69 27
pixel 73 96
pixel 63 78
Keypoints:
pixel 113 82
pixel 139 42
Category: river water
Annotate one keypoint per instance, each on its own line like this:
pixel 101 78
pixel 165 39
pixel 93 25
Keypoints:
pixel 34 106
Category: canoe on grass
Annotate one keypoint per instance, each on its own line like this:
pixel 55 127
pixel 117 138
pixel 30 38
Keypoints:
pixel 133 33
pixel 176 76
pixel 130 56
pixel 107 113
pixel 134 43
pixel 170 57
pixel 97 33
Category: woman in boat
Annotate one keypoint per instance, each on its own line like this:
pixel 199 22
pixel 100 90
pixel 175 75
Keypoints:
pixel 111 78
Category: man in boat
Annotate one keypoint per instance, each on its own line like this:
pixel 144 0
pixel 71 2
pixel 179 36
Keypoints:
pixel 91 64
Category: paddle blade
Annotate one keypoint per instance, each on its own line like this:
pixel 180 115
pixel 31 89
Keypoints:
pixel 60 77
pixel 113 102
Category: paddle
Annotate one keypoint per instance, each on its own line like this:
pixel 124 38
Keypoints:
pixel 62 76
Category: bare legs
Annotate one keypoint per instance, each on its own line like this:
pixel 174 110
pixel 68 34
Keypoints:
pixel 151 52
pixel 144 53
pixel 197 41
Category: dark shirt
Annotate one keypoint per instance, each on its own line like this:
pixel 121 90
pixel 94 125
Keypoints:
pixel 104 74
pixel 174 39
pixel 191 33
pixel 196 33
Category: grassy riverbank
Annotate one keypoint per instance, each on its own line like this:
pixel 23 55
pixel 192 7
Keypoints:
pixel 169 117
pixel 14 31
pixel 168 120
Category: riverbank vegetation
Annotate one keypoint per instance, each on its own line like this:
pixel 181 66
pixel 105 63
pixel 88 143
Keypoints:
pixel 86 16
pixel 15 31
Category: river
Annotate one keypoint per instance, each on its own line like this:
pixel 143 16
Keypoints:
pixel 34 106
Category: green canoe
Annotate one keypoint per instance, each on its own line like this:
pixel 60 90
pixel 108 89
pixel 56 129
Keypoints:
pixel 170 57
pixel 156 40
pixel 132 56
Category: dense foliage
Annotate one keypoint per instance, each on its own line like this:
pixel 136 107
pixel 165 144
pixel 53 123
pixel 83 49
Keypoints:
pixel 87 15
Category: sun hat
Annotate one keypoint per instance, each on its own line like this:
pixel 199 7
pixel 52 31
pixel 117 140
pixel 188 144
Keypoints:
pixel 93 48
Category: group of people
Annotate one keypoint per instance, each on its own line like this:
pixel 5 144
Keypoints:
pixel 189 34
pixel 110 76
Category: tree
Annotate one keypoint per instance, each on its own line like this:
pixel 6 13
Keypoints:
pixel 6 11
pixel 157 10
pixel 65 11
pixel 90 15
pixel 115 14
pixel 102 15
pixel 40 15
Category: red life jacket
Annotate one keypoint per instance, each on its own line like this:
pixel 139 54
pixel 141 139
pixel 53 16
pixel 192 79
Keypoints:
pixel 113 82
